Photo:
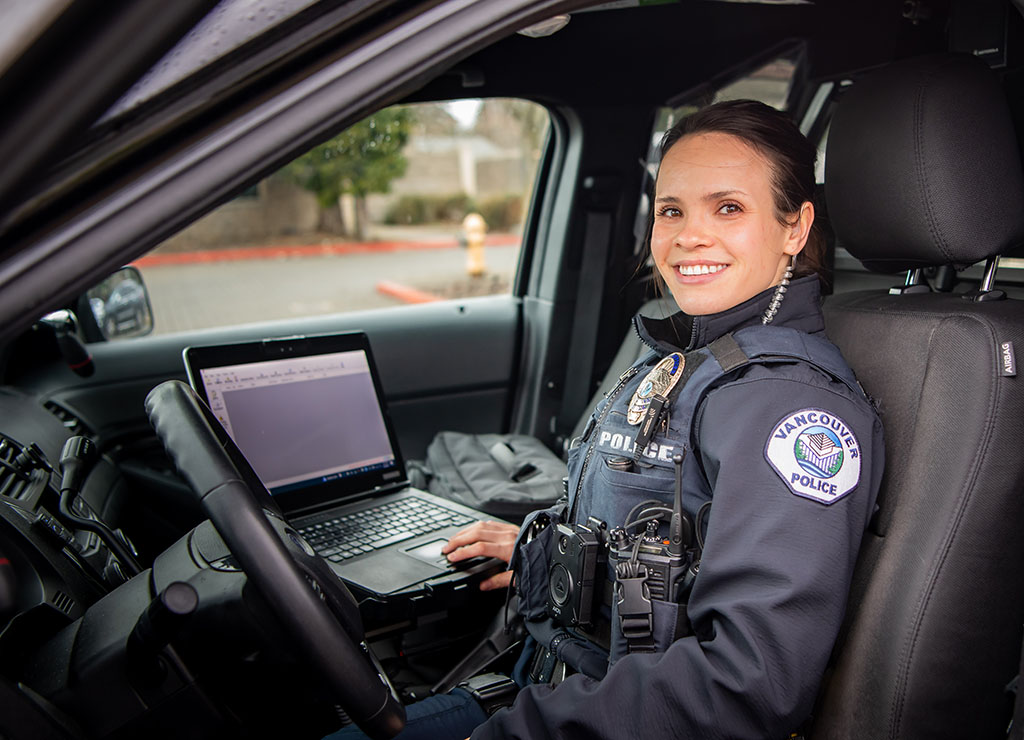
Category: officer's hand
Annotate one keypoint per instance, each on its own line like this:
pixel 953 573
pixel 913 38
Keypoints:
pixel 486 539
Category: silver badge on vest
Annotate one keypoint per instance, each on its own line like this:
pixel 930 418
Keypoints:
pixel 659 382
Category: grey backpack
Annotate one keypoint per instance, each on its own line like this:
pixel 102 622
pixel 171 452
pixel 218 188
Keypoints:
pixel 507 475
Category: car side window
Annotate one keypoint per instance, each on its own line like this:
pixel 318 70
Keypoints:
pixel 415 203
pixel 769 83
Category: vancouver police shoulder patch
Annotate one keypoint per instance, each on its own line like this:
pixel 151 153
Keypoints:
pixel 816 454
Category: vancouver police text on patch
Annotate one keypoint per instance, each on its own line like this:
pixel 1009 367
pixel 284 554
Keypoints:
pixel 816 453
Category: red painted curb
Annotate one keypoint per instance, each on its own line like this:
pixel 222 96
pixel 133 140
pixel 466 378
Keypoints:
pixel 405 293
pixel 306 250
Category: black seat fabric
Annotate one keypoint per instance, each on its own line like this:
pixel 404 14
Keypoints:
pixel 923 169
pixel 631 350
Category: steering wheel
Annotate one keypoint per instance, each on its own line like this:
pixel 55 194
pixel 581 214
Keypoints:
pixel 314 606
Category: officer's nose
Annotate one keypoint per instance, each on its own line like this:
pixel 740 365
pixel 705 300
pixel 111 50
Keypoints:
pixel 693 233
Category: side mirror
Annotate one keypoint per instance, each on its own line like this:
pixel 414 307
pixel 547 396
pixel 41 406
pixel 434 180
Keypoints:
pixel 118 307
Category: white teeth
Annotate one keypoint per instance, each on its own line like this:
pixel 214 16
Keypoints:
pixel 694 270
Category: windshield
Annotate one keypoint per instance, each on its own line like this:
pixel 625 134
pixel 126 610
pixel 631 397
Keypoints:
pixel 226 28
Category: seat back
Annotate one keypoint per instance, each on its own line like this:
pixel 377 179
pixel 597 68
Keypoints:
pixel 923 170
pixel 631 350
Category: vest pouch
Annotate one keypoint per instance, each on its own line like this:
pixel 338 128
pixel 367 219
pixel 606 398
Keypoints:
pixel 669 622
pixel 531 567
pixel 530 560
pixel 612 493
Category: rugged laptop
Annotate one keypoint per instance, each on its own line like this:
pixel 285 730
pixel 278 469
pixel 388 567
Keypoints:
pixel 309 415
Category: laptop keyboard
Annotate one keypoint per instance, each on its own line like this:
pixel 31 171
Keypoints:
pixel 364 531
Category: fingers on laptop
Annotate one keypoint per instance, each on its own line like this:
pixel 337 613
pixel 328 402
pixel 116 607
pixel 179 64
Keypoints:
pixel 486 539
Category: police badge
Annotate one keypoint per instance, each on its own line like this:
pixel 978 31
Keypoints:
pixel 659 382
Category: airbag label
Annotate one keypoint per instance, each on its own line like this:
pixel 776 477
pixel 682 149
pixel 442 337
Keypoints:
pixel 1007 361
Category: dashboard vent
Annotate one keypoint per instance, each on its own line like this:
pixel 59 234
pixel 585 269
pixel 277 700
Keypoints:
pixel 69 420
pixel 63 602
pixel 14 483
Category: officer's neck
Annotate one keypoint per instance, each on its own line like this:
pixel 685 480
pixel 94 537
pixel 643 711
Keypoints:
pixel 800 309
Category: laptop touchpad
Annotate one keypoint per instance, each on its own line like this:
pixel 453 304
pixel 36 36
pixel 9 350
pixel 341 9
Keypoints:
pixel 430 552
pixel 388 572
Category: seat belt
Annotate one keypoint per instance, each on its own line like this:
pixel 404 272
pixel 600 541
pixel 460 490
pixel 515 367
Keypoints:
pixel 597 237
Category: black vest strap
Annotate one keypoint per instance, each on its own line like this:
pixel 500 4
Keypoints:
pixel 728 352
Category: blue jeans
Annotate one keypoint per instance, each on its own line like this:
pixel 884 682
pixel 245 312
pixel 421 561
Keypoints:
pixel 451 716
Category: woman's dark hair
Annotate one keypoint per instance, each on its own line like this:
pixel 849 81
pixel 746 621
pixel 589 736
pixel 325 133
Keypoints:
pixel 774 136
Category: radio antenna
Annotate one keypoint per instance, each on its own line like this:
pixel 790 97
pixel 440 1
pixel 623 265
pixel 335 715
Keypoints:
pixel 680 530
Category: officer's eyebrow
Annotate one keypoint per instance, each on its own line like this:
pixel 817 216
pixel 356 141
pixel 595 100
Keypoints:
pixel 719 194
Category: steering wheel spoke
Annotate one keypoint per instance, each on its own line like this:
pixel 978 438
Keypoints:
pixel 314 606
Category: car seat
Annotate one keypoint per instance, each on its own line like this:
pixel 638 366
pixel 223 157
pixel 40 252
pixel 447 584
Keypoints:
pixel 631 350
pixel 923 170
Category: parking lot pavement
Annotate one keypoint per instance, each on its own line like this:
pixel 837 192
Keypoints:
pixel 206 294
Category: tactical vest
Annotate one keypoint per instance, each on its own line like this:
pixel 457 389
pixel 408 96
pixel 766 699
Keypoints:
pixel 605 491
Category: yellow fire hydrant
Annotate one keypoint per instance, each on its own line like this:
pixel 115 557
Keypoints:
pixel 474 227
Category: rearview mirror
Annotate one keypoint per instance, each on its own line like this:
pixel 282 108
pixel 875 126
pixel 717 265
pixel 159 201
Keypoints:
pixel 120 306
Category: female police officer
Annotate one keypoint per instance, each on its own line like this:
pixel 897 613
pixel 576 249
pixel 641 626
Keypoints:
pixel 752 414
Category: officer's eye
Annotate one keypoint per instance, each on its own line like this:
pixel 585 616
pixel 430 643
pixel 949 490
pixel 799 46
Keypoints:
pixel 669 212
pixel 728 209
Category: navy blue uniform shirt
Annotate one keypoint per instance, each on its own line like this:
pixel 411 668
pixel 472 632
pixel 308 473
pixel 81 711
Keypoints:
pixel 778 559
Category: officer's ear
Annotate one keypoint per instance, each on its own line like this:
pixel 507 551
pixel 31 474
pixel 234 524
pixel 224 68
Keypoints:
pixel 799 229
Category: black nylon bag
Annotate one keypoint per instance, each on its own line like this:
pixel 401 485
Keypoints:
pixel 507 475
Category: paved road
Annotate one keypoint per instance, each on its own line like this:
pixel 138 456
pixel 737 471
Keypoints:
pixel 199 296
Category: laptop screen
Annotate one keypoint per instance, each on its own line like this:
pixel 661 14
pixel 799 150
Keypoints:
pixel 306 412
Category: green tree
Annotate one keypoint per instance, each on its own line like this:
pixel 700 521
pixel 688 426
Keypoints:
pixel 362 159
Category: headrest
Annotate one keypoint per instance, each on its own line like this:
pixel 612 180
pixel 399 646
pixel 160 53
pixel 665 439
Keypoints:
pixel 922 166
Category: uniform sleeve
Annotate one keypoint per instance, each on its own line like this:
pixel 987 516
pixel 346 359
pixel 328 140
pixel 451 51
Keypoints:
pixel 773 583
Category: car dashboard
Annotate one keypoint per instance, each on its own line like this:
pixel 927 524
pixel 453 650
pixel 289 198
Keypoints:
pixel 88 640
pixel 78 568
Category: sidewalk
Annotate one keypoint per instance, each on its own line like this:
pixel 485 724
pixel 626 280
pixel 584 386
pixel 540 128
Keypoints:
pixel 421 240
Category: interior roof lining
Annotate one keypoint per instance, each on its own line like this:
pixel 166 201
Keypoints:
pixel 534 68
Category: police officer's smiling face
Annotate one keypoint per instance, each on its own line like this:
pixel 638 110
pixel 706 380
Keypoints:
pixel 717 240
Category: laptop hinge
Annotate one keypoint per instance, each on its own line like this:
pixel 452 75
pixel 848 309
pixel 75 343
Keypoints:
pixel 381 490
